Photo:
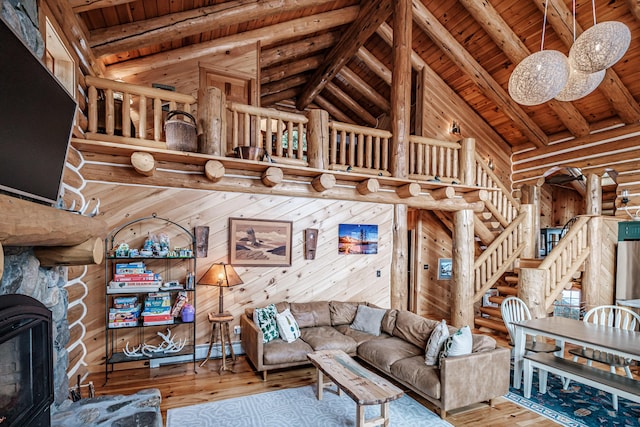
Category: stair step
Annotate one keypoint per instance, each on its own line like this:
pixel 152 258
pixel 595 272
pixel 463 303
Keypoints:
pixel 508 290
pixel 497 299
pixel 491 324
pixel 511 279
pixel 491 311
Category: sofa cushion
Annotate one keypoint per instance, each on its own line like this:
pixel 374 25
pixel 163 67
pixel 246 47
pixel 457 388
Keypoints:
pixel 343 313
pixel 482 343
pixel 327 338
pixel 359 336
pixel 287 326
pixel 310 314
pixel 382 353
pixel 265 319
pixel 368 319
pixel 389 321
pixel 413 328
pixel 423 378
pixel 279 351
pixel 436 340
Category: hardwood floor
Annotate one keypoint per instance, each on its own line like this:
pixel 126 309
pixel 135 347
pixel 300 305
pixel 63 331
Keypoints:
pixel 180 386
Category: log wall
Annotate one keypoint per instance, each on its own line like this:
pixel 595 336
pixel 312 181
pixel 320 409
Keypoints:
pixel 329 276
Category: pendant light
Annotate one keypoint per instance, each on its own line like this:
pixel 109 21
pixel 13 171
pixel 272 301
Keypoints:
pixel 601 46
pixel 540 76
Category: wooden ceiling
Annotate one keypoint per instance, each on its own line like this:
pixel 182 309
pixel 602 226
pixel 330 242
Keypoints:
pixel 471 45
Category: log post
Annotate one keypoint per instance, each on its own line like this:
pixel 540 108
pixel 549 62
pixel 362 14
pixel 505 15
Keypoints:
pixel 591 277
pixel 368 186
pixel 272 176
pixel 143 163
pixel 401 87
pixel 214 170
pixel 408 190
pixel 531 284
pixel 594 195
pixel 318 139
pixel 462 290
pixel 212 107
pixel 468 161
pixel 529 232
pixel 530 195
pixel 93 109
pixel 88 252
pixel 323 182
pixel 399 259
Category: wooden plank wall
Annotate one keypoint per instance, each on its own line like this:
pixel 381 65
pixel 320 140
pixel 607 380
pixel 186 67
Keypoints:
pixel 329 276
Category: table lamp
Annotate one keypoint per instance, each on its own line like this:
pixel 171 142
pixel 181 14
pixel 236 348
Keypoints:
pixel 221 275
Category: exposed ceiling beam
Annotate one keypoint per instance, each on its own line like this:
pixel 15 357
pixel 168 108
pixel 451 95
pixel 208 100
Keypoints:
pixel 372 14
pixel 516 51
pixel 333 110
pixel 351 104
pixel 374 64
pixel 561 19
pixel 352 79
pixel 280 85
pixel 269 100
pixel 634 7
pixel 175 26
pixel 274 55
pixel 271 34
pixel 84 5
pixel 284 71
pixel 480 77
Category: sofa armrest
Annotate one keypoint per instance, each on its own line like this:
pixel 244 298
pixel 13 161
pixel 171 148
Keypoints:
pixel 474 378
pixel 252 341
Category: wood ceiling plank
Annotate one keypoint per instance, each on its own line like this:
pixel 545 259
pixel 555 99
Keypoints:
pixel 634 7
pixel 86 5
pixel 483 80
pixel 516 51
pixel 372 14
pixel 561 19
pixel 296 28
pixel 174 26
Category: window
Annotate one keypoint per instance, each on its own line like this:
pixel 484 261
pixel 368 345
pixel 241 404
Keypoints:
pixel 58 59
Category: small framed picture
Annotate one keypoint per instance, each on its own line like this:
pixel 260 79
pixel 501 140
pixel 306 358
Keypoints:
pixel 445 269
pixel 259 242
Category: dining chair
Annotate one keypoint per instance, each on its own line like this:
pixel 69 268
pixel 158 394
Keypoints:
pixel 616 317
pixel 513 309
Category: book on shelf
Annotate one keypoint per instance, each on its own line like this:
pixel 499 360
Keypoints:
pixel 156 317
pixel 116 284
pixel 142 277
pixel 123 324
pixel 132 290
pixel 158 322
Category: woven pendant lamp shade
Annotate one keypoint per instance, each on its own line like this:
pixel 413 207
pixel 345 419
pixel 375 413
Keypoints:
pixel 580 84
pixel 599 47
pixel 539 77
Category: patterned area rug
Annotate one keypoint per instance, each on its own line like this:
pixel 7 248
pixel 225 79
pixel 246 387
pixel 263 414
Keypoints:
pixel 580 405
pixel 296 407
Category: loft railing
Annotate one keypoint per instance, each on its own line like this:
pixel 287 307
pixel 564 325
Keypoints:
pixel 432 159
pixel 128 113
pixel 359 149
pixel 499 256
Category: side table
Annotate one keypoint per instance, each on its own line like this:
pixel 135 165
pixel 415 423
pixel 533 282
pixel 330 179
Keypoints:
pixel 220 322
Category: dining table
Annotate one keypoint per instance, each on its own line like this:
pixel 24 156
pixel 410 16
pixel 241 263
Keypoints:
pixel 618 341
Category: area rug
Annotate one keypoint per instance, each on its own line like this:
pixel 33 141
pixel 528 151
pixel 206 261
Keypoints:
pixel 578 406
pixel 296 407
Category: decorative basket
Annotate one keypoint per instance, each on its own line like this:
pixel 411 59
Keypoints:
pixel 180 134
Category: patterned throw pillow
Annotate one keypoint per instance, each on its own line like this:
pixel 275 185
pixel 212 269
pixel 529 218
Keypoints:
pixel 287 326
pixel 436 340
pixel 458 344
pixel 265 318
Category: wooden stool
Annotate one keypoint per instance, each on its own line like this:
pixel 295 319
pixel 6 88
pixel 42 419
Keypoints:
pixel 220 322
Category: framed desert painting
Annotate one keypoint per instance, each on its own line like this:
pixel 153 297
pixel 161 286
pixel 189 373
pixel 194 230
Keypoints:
pixel 259 242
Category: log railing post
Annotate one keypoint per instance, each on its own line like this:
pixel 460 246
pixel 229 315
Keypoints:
pixel 401 87
pixel 529 232
pixel 462 289
pixel 318 139
pixel 468 161
pixel 212 114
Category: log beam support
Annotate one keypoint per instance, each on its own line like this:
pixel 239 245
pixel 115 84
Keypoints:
pixel 323 182
pixel 272 176
pixel 214 170
pixel 443 193
pixel 409 190
pixel 86 253
pixel 143 163
pixel 368 186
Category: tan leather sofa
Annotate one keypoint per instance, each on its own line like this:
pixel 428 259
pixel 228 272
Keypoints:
pixel 398 352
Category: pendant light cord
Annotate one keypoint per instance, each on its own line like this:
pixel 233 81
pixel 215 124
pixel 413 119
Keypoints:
pixel 593 8
pixel 544 24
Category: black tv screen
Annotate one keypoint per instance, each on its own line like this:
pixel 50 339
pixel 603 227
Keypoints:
pixel 36 119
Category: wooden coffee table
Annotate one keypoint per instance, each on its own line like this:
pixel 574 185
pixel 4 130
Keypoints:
pixel 360 384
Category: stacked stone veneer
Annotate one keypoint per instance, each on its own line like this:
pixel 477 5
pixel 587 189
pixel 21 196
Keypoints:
pixel 23 275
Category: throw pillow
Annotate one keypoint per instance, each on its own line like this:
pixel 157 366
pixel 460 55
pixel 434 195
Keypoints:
pixel 287 326
pixel 436 340
pixel 458 344
pixel 265 318
pixel 368 319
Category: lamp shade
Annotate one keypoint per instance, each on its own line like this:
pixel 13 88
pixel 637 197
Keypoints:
pixel 539 77
pixel 220 274
pixel 599 47
pixel 580 84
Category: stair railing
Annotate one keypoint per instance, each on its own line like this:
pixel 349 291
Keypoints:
pixel 499 257
pixel 564 260
pixel 502 205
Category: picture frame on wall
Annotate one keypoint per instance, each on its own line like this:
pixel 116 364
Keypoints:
pixel 445 269
pixel 259 242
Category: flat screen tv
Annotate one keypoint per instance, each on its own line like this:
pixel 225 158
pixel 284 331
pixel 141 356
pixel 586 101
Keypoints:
pixel 36 119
